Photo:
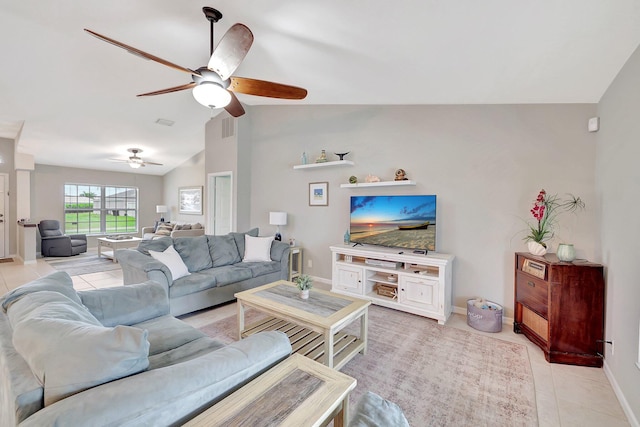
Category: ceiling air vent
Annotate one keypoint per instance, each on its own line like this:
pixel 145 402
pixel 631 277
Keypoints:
pixel 228 127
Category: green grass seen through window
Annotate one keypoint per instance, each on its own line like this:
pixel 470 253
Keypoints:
pixel 89 223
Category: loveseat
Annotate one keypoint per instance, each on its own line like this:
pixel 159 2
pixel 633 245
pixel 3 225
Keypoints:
pixel 114 356
pixel 163 229
pixel 218 267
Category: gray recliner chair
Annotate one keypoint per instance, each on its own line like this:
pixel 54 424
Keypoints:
pixel 54 243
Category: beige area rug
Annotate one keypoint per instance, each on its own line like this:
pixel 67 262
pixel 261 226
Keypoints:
pixel 82 264
pixel 438 375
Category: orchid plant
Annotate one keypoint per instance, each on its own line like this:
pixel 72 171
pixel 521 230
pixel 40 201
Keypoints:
pixel 545 211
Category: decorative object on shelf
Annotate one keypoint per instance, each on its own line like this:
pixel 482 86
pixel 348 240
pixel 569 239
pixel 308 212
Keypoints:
pixel 545 211
pixel 401 175
pixel 536 248
pixel 372 178
pixel 353 179
pixel 347 237
pixel 161 209
pixel 322 158
pixel 304 283
pixel 303 159
pixel 566 252
pixel 319 194
pixel 190 199
pixel 278 219
pixel 341 155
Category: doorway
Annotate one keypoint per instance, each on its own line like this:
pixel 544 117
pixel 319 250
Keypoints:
pixel 220 203
pixel 4 207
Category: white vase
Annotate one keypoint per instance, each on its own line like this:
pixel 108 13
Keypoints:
pixel 304 294
pixel 566 252
pixel 536 248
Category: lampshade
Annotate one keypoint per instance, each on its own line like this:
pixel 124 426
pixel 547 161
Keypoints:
pixel 161 209
pixel 278 218
pixel 211 95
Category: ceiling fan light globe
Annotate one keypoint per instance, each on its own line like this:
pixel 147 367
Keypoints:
pixel 211 95
pixel 135 165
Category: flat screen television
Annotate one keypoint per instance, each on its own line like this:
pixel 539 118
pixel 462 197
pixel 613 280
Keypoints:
pixel 394 221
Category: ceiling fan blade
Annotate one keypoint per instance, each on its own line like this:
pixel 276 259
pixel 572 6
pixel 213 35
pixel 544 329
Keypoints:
pixel 119 160
pixel 145 55
pixel 231 50
pixel 152 163
pixel 234 108
pixel 265 88
pixel 169 90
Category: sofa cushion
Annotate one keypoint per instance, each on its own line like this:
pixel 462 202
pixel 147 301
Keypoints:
pixel 171 258
pixel 68 350
pixel 373 411
pixel 159 245
pixel 194 251
pixel 257 249
pixel 260 268
pixel 223 250
pixel 239 237
pixel 166 333
pixel 227 274
pixel 57 282
pixel 192 283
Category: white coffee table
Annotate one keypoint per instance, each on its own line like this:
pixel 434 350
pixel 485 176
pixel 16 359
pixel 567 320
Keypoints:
pixel 114 245
pixel 314 326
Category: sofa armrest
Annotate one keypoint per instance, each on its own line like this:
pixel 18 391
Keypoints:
pixel 138 267
pixel 170 395
pixel 127 305
pixel 78 236
pixel 280 252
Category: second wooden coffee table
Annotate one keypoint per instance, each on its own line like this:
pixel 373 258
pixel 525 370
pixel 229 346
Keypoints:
pixel 314 325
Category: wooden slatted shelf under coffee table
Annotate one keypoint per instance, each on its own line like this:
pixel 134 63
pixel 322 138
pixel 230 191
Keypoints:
pixel 296 392
pixel 312 325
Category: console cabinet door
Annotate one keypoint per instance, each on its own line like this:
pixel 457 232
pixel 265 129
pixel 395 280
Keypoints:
pixel 349 278
pixel 419 292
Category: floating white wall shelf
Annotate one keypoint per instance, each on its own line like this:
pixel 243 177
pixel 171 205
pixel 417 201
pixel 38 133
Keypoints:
pixel 378 184
pixel 325 164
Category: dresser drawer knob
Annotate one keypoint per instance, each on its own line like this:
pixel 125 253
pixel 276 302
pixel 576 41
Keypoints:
pixel 533 285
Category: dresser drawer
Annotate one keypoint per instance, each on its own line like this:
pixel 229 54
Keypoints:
pixel 533 293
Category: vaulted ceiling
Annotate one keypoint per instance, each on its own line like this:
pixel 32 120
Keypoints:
pixel 71 98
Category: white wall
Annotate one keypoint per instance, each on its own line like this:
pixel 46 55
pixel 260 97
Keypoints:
pixel 486 164
pixel 617 177
pixel 188 174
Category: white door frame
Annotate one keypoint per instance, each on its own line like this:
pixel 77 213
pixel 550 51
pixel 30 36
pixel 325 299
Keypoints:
pixel 211 200
pixel 7 217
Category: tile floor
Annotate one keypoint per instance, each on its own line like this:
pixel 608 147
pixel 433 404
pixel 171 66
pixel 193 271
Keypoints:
pixel 566 395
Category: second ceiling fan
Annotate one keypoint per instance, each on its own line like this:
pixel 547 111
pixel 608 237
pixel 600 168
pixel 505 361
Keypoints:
pixel 213 85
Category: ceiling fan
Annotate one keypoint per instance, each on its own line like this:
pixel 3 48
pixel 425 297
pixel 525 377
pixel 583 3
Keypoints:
pixel 135 161
pixel 213 85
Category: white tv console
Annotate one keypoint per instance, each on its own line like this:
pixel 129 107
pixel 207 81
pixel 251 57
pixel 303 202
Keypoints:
pixel 395 278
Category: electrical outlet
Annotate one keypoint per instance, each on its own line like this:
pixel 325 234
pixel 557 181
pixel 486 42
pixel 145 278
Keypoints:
pixel 310 263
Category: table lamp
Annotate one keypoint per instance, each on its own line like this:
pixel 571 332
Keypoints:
pixel 278 219
pixel 161 209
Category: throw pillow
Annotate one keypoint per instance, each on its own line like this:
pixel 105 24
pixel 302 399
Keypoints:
pixel 373 411
pixel 164 229
pixel 239 237
pixel 171 258
pixel 197 226
pixel 257 249
pixel 68 349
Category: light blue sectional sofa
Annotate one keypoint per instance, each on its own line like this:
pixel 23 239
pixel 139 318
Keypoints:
pixel 216 266
pixel 114 357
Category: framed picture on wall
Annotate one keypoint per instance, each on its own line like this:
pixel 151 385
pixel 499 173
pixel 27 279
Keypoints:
pixel 190 199
pixel 319 194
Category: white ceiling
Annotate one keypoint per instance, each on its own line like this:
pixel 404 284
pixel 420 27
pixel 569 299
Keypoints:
pixel 74 95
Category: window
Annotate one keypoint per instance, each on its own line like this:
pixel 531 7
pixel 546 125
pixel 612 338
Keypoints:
pixel 100 209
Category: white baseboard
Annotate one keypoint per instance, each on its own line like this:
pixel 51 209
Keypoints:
pixel 631 417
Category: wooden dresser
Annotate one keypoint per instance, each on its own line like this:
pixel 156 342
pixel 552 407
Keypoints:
pixel 560 307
